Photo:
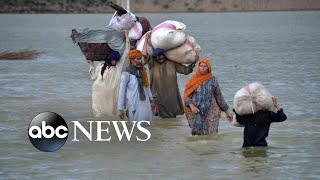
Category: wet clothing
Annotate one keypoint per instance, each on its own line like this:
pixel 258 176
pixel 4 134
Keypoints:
pixel 104 96
pixel 137 108
pixel 105 88
pixel 209 100
pixel 256 126
pixel 164 86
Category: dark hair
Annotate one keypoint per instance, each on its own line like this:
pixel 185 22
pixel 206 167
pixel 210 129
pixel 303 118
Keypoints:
pixel 106 63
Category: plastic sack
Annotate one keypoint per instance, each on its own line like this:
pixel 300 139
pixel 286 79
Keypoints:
pixel 184 54
pixel 123 22
pixel 168 35
pixel 251 99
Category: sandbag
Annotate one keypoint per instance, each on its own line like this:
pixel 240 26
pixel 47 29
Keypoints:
pixel 252 98
pixel 168 35
pixel 184 54
pixel 136 31
pixel 123 22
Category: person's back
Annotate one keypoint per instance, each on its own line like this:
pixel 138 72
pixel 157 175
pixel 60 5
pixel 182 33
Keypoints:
pixel 257 125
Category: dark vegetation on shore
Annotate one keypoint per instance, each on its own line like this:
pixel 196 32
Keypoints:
pixel 156 6
pixel 24 54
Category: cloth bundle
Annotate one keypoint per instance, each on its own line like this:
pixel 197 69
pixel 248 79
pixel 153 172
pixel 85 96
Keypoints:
pixel 123 22
pixel 185 53
pixel 140 28
pixel 168 35
pixel 171 37
pixel 252 98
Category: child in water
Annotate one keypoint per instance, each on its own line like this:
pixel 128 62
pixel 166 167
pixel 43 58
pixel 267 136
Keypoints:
pixel 257 125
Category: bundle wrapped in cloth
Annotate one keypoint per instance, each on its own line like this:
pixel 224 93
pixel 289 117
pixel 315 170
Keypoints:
pixel 171 37
pixel 185 53
pixel 168 35
pixel 141 26
pixel 252 98
pixel 122 22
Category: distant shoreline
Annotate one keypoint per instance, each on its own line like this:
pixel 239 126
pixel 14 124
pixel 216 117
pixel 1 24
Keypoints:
pixel 302 10
pixel 156 6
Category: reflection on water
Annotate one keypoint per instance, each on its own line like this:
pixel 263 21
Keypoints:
pixel 278 49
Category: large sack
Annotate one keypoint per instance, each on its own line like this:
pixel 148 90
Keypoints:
pixel 184 54
pixel 123 22
pixel 140 45
pixel 171 25
pixel 168 35
pixel 136 31
pixel 252 98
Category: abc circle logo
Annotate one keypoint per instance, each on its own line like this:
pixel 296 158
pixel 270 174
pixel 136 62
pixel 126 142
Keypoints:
pixel 48 131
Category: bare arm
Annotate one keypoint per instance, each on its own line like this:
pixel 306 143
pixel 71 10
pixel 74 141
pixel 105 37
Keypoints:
pixel 92 70
pixel 147 59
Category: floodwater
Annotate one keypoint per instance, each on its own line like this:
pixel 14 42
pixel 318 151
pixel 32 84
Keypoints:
pixel 281 50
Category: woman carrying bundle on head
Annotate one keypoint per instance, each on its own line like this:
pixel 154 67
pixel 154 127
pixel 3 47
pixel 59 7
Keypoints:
pixel 255 109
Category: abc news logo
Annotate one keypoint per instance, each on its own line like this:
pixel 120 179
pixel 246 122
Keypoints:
pixel 48 131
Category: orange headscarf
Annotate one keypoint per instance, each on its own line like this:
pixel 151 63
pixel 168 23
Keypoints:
pixel 195 81
pixel 134 53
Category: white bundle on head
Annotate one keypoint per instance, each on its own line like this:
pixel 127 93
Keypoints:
pixel 252 98
pixel 168 35
pixel 184 54
pixel 136 31
pixel 123 22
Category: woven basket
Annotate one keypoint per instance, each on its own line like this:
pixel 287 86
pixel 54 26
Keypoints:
pixel 95 51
